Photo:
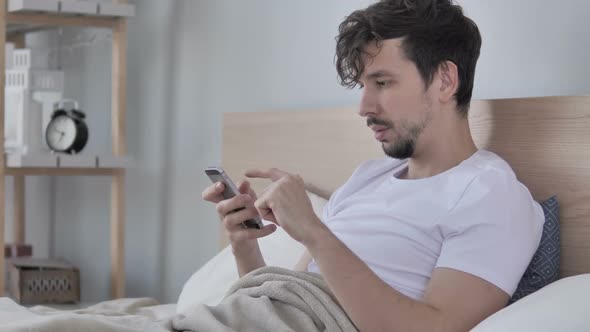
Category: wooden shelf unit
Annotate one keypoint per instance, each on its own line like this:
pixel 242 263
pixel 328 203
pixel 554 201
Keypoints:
pixel 16 24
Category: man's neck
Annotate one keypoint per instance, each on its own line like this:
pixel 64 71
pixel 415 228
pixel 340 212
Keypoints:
pixel 441 156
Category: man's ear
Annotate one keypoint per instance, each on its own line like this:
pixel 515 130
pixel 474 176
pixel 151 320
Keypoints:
pixel 449 76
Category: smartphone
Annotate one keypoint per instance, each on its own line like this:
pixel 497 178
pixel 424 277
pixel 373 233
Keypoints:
pixel 217 174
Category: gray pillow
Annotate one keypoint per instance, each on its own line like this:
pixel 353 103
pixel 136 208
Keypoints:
pixel 544 267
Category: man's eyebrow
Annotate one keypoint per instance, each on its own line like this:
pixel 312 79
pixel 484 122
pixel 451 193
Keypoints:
pixel 380 73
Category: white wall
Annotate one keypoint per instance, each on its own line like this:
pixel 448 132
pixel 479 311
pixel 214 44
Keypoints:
pixel 238 56
pixel 531 47
pixel 37 214
pixel 190 61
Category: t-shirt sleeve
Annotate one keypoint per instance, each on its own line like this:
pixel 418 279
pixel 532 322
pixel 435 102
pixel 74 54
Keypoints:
pixel 492 231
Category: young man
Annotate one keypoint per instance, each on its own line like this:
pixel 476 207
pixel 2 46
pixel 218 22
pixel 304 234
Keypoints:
pixel 437 236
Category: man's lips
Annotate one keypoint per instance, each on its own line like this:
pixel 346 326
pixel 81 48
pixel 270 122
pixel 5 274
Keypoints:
pixel 380 132
pixel 377 128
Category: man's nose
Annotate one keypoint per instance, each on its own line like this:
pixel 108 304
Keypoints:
pixel 368 105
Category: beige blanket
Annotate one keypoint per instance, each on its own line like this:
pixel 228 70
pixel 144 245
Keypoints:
pixel 268 299
pixel 117 315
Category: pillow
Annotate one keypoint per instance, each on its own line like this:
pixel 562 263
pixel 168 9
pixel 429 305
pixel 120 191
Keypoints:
pixel 209 284
pixel 544 267
pixel 561 306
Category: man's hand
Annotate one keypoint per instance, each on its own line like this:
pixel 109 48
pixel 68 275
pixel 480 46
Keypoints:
pixel 234 211
pixel 286 203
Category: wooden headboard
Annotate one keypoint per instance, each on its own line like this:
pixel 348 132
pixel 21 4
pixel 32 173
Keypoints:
pixel 546 140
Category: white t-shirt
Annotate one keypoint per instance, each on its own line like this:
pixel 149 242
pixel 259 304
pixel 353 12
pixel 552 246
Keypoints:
pixel 475 217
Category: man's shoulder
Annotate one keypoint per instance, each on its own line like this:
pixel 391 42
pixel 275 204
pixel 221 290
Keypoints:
pixel 489 169
pixel 488 183
pixel 494 189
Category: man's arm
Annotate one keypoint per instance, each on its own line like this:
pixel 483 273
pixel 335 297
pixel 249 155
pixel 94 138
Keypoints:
pixel 303 262
pixel 454 300
pixel 248 260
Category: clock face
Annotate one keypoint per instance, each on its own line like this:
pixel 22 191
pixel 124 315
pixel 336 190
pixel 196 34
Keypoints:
pixel 61 133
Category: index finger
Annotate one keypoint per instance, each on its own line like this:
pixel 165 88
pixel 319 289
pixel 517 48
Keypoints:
pixel 273 174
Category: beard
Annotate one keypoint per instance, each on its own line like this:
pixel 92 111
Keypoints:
pixel 407 134
pixel 404 147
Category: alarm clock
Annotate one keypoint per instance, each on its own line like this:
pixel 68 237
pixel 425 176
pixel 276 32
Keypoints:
pixel 67 131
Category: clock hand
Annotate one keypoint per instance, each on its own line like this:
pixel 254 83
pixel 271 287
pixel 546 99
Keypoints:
pixel 61 135
pixel 60 132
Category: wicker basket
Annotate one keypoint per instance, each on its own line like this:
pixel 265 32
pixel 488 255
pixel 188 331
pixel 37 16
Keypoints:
pixel 39 281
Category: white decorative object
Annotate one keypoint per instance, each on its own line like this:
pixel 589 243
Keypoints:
pixel 78 7
pixel 116 9
pixel 33 5
pixel 27 59
pixel 25 117
pixel 21 59
pixel 35 80
pixel 8 55
pixel 14 105
pixel 47 80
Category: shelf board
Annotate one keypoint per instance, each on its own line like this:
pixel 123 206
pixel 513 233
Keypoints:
pixel 15 29
pixel 62 164
pixel 38 171
pixel 32 5
pixel 31 15
pixel 21 22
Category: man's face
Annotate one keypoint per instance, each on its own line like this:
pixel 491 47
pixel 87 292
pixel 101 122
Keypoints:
pixel 395 102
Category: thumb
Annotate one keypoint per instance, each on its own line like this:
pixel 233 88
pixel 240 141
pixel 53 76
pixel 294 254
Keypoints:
pixel 244 188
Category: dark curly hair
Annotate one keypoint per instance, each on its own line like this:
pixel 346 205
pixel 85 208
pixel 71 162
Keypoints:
pixel 432 31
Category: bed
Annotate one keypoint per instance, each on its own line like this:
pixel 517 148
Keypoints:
pixel 546 140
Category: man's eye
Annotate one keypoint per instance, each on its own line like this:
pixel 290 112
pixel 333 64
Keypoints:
pixel 382 84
